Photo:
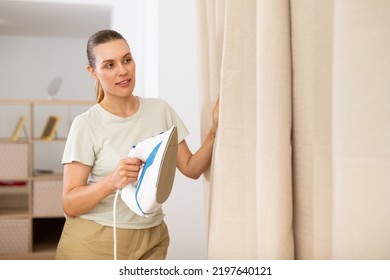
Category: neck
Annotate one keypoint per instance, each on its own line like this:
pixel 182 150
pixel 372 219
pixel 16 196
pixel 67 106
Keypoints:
pixel 121 106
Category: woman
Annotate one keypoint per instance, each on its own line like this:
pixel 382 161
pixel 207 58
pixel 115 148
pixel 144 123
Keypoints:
pixel 96 163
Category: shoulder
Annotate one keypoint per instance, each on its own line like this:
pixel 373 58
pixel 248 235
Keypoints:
pixel 153 101
pixel 156 105
pixel 86 118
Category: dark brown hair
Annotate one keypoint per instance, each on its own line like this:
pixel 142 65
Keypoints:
pixel 100 37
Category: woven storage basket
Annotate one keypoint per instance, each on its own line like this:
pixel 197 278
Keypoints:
pixel 47 198
pixel 14 160
pixel 15 236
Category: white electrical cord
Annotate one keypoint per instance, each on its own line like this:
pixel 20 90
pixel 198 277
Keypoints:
pixel 117 193
pixel 114 219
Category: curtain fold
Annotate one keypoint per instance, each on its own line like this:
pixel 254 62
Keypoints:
pixel 235 193
pixel 272 150
pixel 301 162
pixel 312 52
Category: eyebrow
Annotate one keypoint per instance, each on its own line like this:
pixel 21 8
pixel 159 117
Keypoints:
pixel 111 60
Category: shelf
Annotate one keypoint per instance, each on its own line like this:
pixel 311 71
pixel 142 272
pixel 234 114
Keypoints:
pixel 19 141
pixel 14 202
pixel 52 176
pixel 14 214
pixel 46 102
pixel 44 255
pixel 55 139
pixel 13 190
pixel 42 251
pixel 31 216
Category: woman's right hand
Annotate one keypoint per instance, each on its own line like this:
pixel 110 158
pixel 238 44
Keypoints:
pixel 126 172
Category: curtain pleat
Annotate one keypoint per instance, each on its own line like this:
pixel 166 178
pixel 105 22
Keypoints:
pixel 236 177
pixel 312 37
pixel 272 150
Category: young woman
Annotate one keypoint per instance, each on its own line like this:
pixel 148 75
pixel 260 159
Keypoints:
pixel 96 163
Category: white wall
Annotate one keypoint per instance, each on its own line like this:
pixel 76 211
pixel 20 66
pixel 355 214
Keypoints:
pixel 178 84
pixel 29 63
pixel 171 41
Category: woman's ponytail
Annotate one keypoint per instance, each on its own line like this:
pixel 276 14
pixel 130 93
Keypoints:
pixel 99 92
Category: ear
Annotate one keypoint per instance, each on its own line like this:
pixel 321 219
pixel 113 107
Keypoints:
pixel 91 70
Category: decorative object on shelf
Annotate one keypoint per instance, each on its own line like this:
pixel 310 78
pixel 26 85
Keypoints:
pixel 43 171
pixel 50 129
pixel 53 90
pixel 13 183
pixel 18 128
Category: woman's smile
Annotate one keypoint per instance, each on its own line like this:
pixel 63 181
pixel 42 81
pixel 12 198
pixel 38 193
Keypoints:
pixel 123 83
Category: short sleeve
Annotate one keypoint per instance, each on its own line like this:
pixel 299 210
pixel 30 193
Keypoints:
pixel 79 144
pixel 182 131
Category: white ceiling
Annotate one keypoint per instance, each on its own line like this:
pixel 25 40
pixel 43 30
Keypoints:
pixel 52 19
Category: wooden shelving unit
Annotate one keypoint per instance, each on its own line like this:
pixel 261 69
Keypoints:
pixel 31 217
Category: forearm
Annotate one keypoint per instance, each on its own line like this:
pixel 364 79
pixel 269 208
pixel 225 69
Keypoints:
pixel 79 198
pixel 195 164
pixel 82 199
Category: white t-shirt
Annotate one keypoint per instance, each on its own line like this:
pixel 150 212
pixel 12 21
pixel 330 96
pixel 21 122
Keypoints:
pixel 100 139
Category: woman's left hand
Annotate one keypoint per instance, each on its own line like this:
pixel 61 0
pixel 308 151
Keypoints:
pixel 216 113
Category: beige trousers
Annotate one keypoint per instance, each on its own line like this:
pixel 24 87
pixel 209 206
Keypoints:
pixel 86 240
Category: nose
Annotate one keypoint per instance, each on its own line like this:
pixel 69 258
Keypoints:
pixel 122 70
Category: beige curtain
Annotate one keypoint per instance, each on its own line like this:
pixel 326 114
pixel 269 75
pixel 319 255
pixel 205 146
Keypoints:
pixel 301 168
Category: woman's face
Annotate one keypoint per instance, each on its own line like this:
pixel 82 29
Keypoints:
pixel 114 68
